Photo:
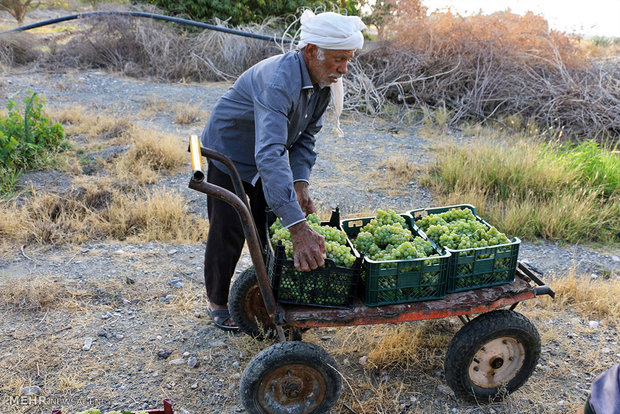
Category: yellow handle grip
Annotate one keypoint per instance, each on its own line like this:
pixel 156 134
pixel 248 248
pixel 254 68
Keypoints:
pixel 197 169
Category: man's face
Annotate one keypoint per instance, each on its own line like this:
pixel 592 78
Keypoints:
pixel 326 66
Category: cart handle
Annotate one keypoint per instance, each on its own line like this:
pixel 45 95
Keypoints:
pixel 197 152
pixel 247 221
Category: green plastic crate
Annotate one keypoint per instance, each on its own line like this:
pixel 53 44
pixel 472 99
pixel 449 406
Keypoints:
pixel 330 286
pixel 399 281
pixel 479 267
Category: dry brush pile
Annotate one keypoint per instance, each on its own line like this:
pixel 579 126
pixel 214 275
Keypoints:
pixel 489 67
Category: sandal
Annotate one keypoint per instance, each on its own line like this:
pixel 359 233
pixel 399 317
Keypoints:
pixel 219 317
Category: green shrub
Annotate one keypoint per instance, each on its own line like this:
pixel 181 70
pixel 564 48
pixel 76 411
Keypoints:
pixel 25 139
pixel 597 166
pixel 255 11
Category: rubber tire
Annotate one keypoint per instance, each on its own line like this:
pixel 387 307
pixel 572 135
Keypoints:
pixel 476 334
pixel 247 309
pixel 284 354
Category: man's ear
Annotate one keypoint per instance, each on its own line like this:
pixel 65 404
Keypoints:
pixel 311 50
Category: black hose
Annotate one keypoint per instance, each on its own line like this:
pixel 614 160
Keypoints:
pixel 151 16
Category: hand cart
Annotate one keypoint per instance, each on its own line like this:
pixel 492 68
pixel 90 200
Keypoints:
pixel 490 356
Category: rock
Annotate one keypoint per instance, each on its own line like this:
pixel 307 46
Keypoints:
pixel 88 342
pixel 615 258
pixel 185 354
pixel 363 360
pixel 31 390
pixel 177 283
pixel 129 281
pixel 593 324
pixel 413 399
pixel 575 321
pixel 178 361
pixel 193 362
pixel 444 389
pixel 194 386
pixel 164 353
pixel 102 332
pixel 346 362
pixel 183 410
pixel 108 315
pixel 606 350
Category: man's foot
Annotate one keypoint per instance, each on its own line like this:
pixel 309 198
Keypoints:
pixel 221 318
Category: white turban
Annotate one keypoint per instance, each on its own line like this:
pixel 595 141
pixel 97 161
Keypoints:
pixel 331 31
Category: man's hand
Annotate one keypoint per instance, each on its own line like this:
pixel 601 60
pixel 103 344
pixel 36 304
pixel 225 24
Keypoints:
pixel 308 247
pixel 303 197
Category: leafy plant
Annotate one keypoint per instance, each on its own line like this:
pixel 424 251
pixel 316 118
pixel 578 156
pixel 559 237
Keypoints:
pixel 24 139
pixel 255 11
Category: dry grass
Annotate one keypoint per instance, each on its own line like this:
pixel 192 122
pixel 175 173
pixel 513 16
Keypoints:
pixel 151 152
pixel 100 211
pixel 153 107
pixel 32 293
pixel 19 48
pixel 419 345
pixel 79 121
pixel 394 173
pixel 186 114
pixel 590 297
pixel 161 215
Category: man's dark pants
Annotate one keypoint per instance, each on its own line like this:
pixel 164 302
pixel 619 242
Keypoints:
pixel 226 238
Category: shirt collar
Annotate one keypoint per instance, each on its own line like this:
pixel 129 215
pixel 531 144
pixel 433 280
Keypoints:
pixel 306 82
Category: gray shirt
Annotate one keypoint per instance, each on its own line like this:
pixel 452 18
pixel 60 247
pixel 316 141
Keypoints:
pixel 266 123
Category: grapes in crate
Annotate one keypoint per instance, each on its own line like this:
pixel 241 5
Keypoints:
pixel 459 229
pixel 335 240
pixel 387 237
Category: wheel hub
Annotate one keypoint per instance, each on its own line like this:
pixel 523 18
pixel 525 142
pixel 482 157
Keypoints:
pixel 497 362
pixel 291 388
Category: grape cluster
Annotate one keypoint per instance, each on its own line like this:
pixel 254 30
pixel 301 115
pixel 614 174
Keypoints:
pixel 335 240
pixel 459 229
pixel 387 237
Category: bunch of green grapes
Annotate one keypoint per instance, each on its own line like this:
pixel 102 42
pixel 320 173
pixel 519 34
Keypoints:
pixel 277 225
pixel 330 233
pixel 391 234
pixel 387 237
pixel 459 229
pixel 384 218
pixel 340 254
pixel 335 240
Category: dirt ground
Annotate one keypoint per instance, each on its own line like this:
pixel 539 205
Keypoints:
pixel 124 325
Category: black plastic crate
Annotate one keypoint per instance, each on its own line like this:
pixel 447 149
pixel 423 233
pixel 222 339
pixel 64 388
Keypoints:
pixel 477 267
pixel 330 286
pixel 400 281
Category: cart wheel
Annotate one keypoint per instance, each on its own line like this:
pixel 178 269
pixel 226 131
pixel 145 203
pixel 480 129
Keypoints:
pixel 290 377
pixel 247 308
pixel 491 356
